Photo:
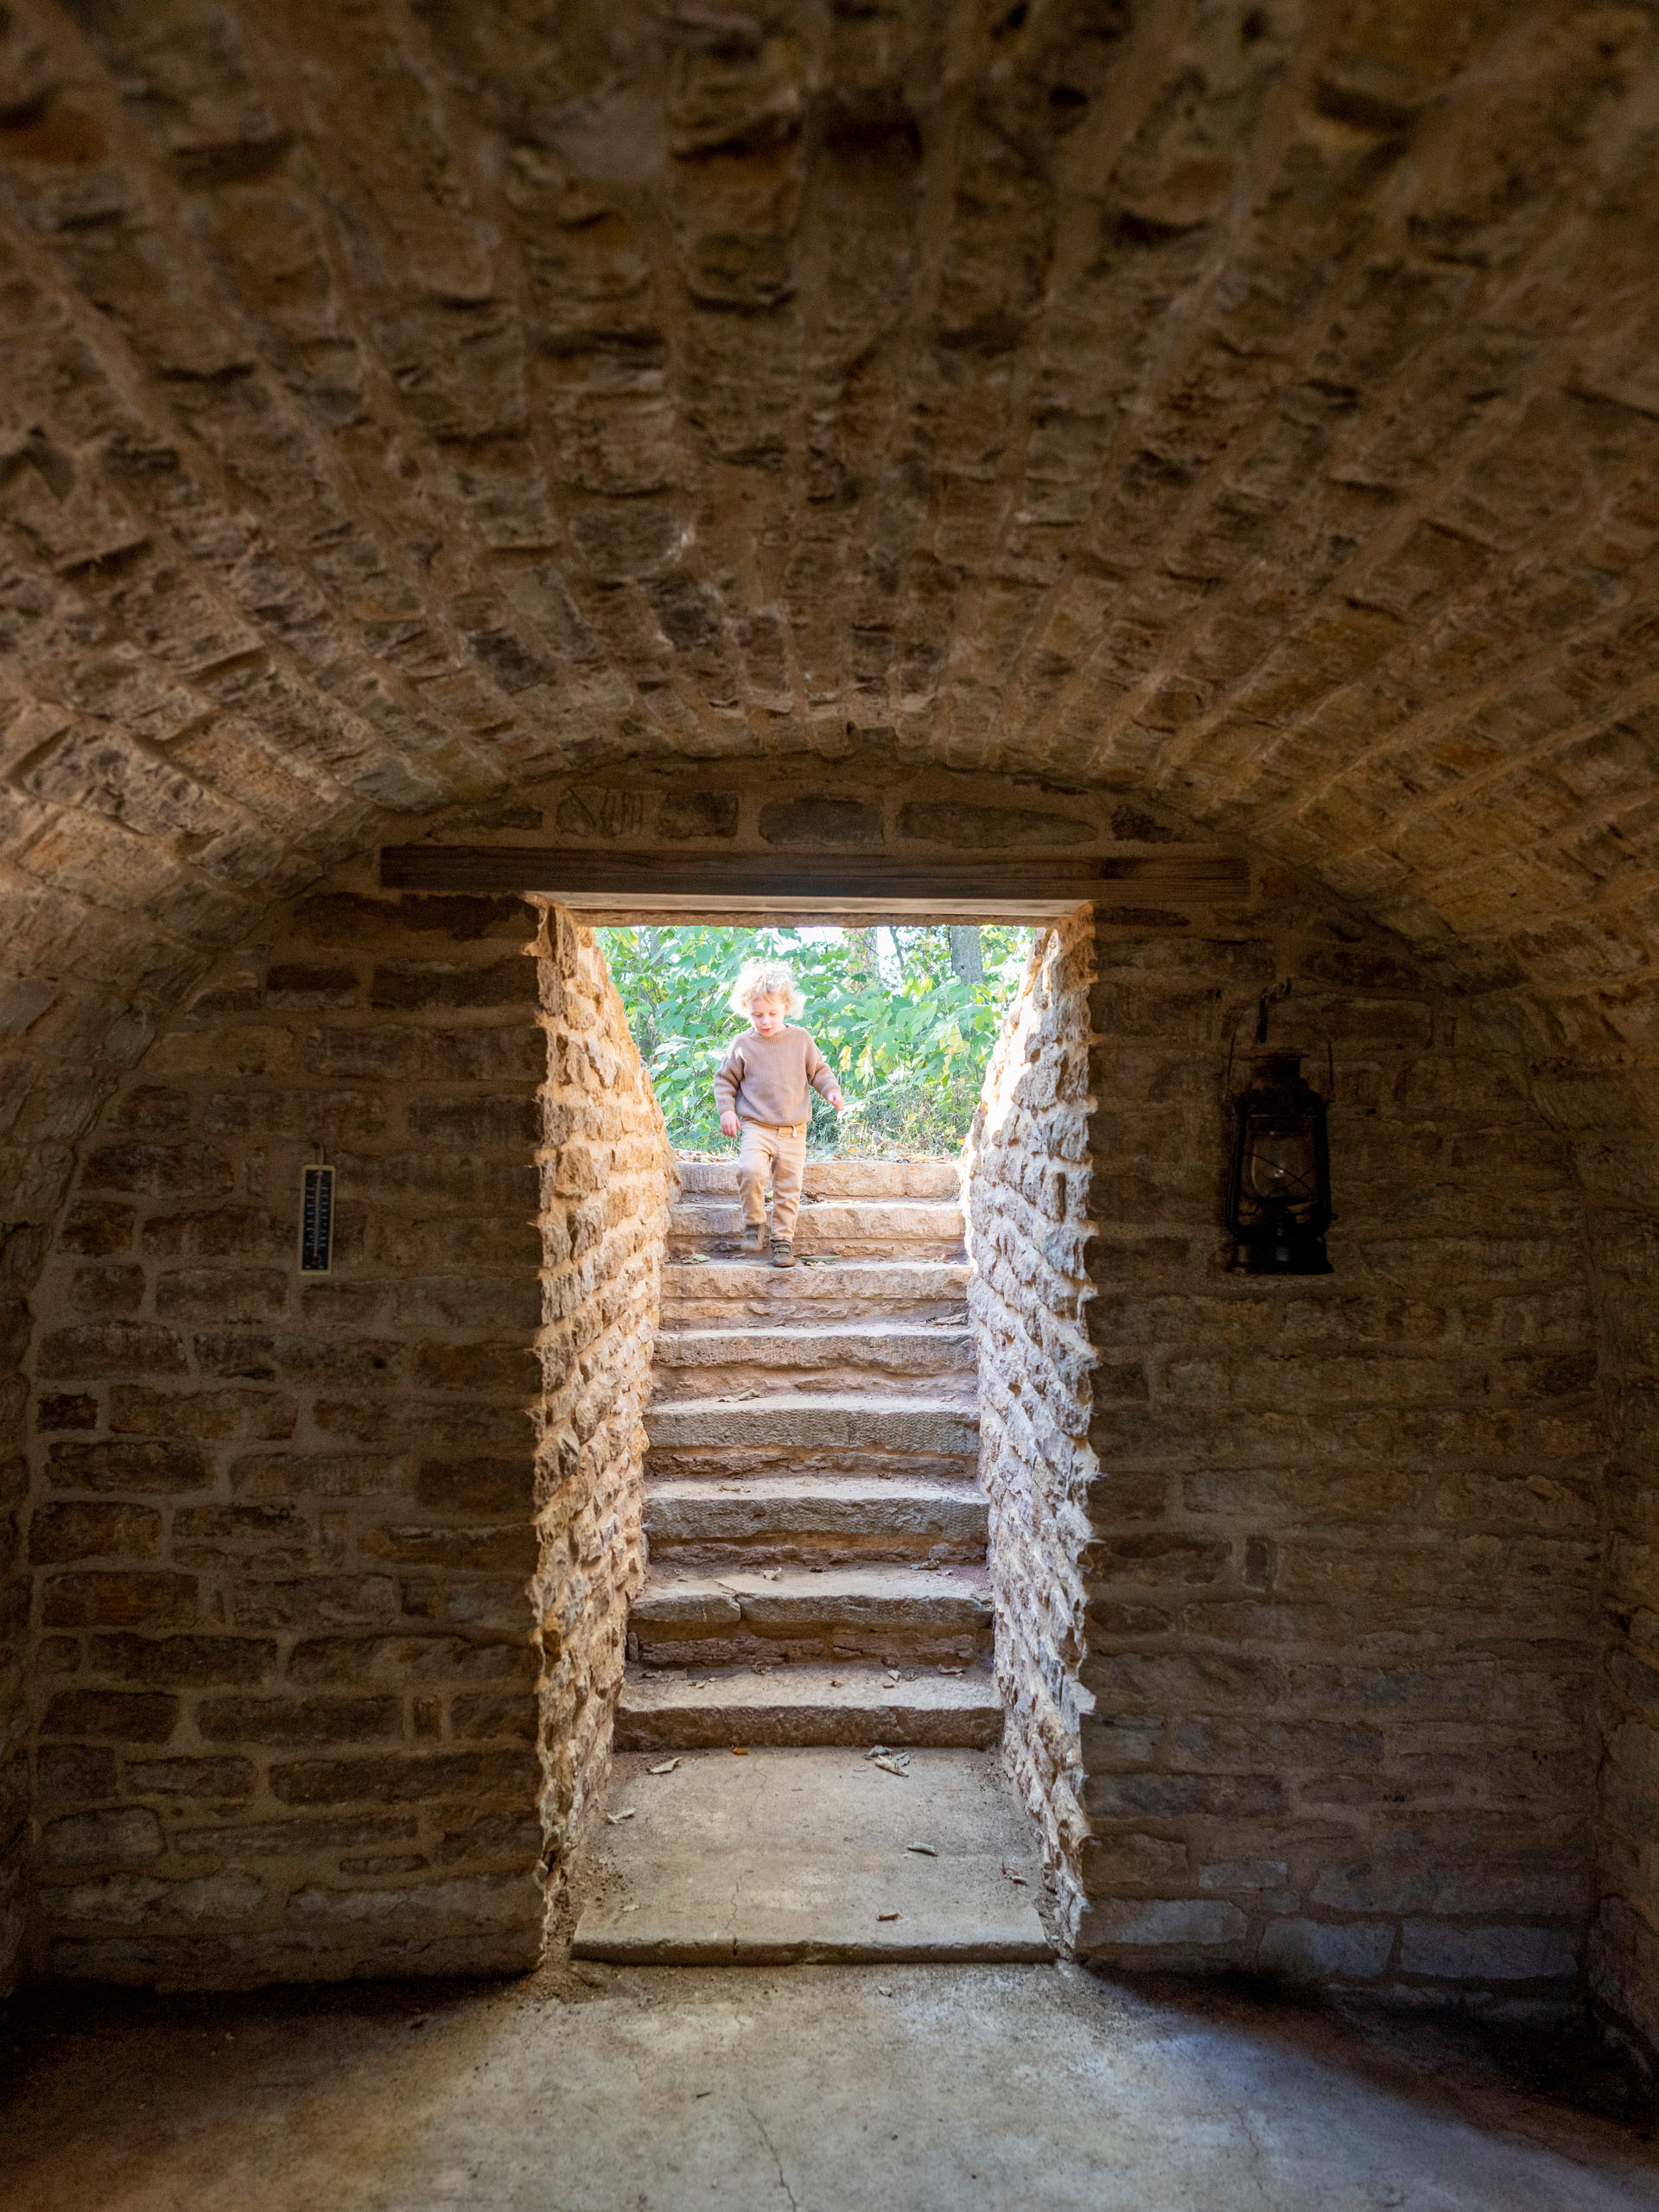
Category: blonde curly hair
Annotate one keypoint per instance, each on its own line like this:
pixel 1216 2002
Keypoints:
pixel 764 979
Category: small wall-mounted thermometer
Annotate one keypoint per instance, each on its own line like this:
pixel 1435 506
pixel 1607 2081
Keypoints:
pixel 316 1220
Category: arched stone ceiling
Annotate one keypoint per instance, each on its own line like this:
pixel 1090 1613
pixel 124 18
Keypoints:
pixel 1254 405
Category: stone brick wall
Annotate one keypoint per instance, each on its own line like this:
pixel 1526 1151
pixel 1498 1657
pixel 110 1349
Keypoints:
pixel 328 1572
pixel 882 802
pixel 607 1175
pixel 1624 1959
pixel 1299 1576
pixel 1342 1581
pixel 13 1622
pixel 1026 1177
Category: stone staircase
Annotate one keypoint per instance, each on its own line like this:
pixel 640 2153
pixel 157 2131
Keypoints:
pixel 815 1526
pixel 817 1600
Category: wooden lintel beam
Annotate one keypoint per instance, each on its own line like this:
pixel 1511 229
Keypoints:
pixel 710 880
pixel 800 913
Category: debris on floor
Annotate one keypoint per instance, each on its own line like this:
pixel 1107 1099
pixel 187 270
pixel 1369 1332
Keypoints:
pixel 772 1861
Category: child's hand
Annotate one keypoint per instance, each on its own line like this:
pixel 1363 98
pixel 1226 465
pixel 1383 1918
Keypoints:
pixel 730 1126
pixel 837 1101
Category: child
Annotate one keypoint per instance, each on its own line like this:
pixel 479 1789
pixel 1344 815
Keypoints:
pixel 760 1089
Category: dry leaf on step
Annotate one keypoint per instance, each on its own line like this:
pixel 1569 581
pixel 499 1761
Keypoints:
pixel 926 1850
pixel 893 1765
pixel 667 1767
pixel 616 1819
pixel 1013 1876
pixel 887 1916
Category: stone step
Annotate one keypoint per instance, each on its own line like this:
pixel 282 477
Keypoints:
pixel 789 1856
pixel 828 1518
pixel 855 1227
pixel 778 1432
pixel 703 1361
pixel 836 1179
pixel 892 1613
pixel 851 1703
pixel 841 1422
pixel 727 1291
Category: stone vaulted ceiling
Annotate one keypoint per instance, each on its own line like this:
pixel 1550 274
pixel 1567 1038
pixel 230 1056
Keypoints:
pixel 1255 405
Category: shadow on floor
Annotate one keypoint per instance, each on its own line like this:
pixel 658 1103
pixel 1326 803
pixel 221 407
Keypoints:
pixel 588 2088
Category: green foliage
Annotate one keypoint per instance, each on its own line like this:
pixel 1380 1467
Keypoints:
pixel 910 1053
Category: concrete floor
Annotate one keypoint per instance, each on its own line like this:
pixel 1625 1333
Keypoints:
pixel 789 1854
pixel 797 2089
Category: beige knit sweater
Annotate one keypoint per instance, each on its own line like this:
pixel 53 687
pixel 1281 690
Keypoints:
pixel 764 1079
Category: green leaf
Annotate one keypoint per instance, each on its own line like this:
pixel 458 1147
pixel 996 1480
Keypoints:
pixel 916 1051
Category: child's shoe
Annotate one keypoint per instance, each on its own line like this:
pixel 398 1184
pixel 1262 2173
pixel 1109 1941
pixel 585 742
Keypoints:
pixel 754 1236
pixel 782 1252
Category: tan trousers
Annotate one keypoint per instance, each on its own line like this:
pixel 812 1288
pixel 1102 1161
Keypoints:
pixel 783 1152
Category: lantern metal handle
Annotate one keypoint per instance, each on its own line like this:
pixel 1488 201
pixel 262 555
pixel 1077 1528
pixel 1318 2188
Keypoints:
pixel 1271 998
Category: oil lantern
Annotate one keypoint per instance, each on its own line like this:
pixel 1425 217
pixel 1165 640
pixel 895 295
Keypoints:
pixel 1280 1206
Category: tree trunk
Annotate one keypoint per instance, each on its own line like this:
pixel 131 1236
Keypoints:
pixel 967 961
pixel 861 957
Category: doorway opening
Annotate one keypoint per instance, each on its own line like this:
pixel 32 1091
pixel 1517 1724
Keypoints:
pixel 907 1016
pixel 818 1596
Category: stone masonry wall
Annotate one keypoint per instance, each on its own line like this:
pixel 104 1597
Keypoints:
pixel 608 1170
pixel 318 1563
pixel 13 1608
pixel 1026 1188
pixel 1341 1582
pixel 1624 1942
